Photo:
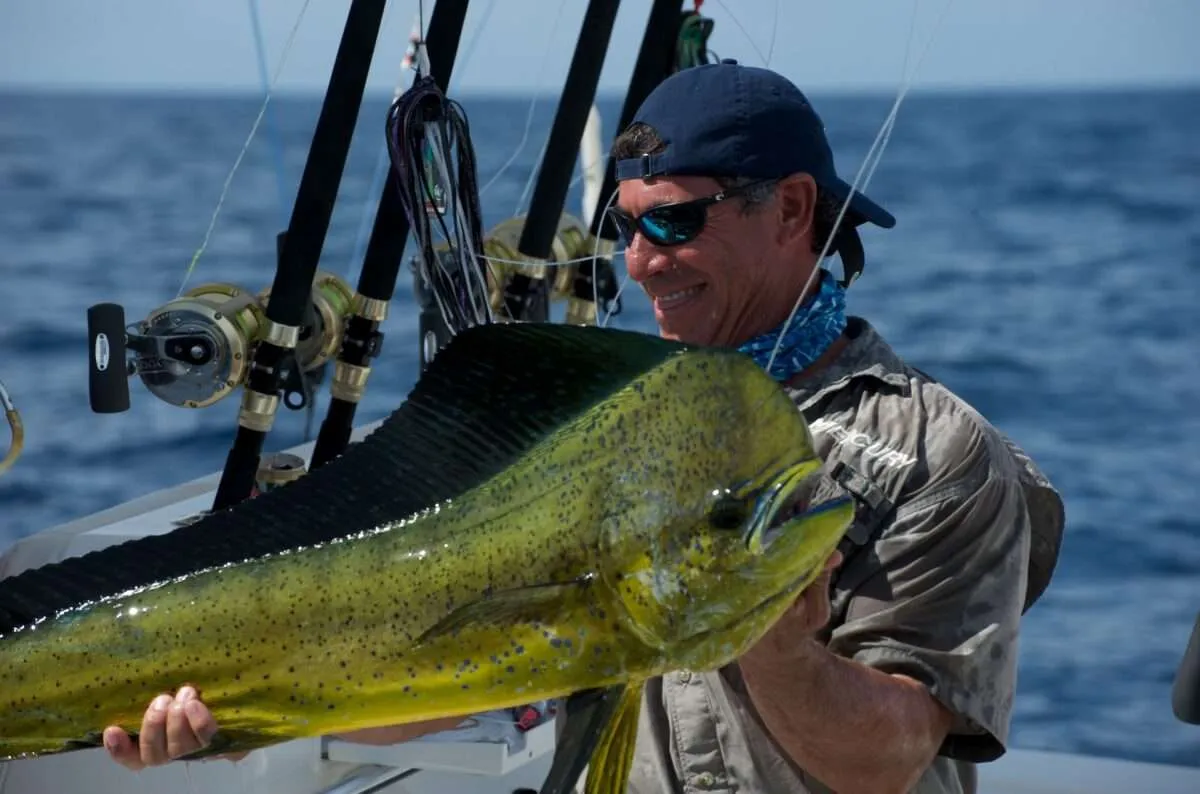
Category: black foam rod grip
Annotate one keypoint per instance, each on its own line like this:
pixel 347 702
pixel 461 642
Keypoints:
pixel 1185 697
pixel 108 378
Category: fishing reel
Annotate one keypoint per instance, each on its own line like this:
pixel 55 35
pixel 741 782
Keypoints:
pixel 572 273
pixel 519 289
pixel 196 350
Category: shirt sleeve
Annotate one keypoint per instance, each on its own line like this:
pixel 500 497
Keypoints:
pixel 938 597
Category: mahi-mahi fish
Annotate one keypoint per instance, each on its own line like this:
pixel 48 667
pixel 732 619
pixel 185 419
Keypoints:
pixel 554 512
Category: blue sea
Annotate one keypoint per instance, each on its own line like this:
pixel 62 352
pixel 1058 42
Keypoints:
pixel 1046 265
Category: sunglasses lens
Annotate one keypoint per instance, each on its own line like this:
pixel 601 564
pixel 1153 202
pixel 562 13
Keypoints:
pixel 624 225
pixel 672 225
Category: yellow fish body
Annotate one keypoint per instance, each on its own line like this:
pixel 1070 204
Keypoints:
pixel 554 510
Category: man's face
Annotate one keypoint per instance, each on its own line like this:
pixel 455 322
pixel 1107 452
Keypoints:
pixel 738 278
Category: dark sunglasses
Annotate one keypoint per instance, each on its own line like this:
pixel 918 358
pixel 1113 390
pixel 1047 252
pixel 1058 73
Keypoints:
pixel 675 224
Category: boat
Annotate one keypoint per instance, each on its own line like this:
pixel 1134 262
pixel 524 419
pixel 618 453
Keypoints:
pixel 223 328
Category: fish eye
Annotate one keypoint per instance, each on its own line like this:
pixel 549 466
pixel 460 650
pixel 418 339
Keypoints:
pixel 729 512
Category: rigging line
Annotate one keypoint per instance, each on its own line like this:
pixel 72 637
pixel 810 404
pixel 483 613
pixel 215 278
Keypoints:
pixel 272 119
pixel 533 172
pixel 749 38
pixel 382 160
pixel 880 143
pixel 912 32
pixel 359 251
pixel 774 30
pixel 287 49
pixel 596 255
pixel 469 50
pixel 549 264
pixel 529 115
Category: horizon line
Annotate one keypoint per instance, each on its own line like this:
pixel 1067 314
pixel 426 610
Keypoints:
pixel 864 90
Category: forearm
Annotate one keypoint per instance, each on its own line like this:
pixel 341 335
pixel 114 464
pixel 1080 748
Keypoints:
pixel 394 734
pixel 854 728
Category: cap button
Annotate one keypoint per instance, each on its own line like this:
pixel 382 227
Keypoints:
pixel 731 61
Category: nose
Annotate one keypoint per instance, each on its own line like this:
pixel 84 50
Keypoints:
pixel 643 259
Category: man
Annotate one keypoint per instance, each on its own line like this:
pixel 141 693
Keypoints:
pixel 897 675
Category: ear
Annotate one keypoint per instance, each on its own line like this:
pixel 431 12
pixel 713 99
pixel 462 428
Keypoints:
pixel 797 200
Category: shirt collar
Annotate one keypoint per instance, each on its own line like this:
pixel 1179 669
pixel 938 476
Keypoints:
pixel 866 355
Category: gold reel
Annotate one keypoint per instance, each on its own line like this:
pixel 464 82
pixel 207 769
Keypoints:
pixel 571 242
pixel 321 335
pixel 195 350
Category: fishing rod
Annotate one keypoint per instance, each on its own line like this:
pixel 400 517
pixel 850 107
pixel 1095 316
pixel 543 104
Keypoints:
pixel 527 292
pixel 362 340
pixel 200 347
pixel 300 248
pixel 674 39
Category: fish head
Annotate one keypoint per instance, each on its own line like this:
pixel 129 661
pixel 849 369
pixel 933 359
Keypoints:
pixel 731 515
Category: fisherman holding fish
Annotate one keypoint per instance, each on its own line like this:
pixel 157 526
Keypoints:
pixel 895 671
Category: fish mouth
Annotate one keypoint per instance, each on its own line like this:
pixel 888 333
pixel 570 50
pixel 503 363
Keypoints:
pixel 787 502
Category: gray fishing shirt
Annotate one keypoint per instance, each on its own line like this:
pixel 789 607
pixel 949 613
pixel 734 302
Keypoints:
pixel 935 592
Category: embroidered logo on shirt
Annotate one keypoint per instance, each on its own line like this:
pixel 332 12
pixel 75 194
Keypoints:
pixel 871 447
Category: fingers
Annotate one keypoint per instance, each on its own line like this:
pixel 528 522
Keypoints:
pixel 121 748
pixel 152 742
pixel 171 727
pixel 190 725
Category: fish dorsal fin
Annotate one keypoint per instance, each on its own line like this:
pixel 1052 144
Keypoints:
pixel 488 397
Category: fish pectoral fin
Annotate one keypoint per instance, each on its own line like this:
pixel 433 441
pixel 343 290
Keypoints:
pixel 536 603
pixel 608 772
pixel 589 715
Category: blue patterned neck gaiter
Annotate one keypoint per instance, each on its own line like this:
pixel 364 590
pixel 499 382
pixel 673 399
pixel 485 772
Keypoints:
pixel 815 326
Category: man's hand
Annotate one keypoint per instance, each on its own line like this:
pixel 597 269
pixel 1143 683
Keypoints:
pixel 807 616
pixel 855 728
pixel 171 727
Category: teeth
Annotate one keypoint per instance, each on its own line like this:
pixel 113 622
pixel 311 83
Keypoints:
pixel 675 297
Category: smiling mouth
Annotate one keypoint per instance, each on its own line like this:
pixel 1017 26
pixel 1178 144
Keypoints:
pixel 674 300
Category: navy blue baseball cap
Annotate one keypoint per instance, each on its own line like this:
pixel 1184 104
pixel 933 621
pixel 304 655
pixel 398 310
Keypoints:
pixel 724 120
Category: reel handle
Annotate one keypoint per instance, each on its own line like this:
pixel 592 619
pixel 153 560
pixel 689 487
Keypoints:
pixel 108 384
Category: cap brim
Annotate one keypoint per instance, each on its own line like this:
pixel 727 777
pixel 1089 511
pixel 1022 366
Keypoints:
pixel 861 205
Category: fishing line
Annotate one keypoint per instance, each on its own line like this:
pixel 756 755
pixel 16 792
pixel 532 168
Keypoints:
pixel 865 172
pixel 749 38
pixel 260 50
pixel 469 50
pixel 382 161
pixel 596 255
pixel 774 30
pixel 430 148
pixel 529 120
pixel 358 251
pixel 533 172
pixel 287 49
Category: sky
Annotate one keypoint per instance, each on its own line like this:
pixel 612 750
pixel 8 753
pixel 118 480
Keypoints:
pixel 524 46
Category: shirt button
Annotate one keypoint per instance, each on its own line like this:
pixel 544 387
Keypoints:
pixel 705 779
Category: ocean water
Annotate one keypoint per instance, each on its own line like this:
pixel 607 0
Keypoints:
pixel 1046 265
